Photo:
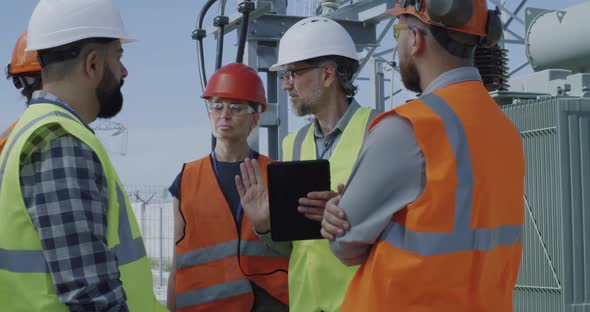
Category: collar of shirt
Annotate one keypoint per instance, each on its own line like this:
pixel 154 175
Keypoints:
pixel 453 76
pixel 341 124
pixel 46 97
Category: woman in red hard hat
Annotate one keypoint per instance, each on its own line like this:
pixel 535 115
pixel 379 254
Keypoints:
pixel 25 72
pixel 220 263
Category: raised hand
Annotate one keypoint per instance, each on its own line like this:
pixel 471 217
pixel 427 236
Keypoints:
pixel 254 195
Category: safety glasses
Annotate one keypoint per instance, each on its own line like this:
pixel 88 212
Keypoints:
pixel 290 74
pixel 234 108
pixel 399 27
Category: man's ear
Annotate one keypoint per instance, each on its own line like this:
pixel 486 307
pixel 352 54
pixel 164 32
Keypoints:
pixel 92 65
pixel 328 74
pixel 418 42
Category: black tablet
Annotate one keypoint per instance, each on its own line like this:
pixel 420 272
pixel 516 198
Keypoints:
pixel 287 183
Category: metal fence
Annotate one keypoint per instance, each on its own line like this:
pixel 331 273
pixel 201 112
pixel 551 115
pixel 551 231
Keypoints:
pixel 152 206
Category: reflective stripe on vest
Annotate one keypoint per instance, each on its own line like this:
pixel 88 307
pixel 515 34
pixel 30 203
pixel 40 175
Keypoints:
pixel 302 133
pixel 298 143
pixel 222 251
pixel 33 261
pixel 462 238
pixel 213 293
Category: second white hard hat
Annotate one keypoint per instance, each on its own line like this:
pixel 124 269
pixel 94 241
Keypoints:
pixel 314 37
pixel 58 22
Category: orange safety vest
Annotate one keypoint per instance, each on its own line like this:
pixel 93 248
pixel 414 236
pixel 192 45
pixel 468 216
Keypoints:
pixel 458 246
pixel 210 274
pixel 4 136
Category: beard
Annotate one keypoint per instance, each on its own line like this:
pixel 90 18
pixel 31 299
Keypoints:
pixel 109 95
pixel 303 109
pixel 410 76
pixel 309 105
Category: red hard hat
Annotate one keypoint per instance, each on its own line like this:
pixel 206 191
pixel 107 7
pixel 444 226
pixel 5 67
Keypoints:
pixel 467 16
pixel 23 62
pixel 236 81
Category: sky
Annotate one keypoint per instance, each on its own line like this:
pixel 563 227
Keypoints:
pixel 165 117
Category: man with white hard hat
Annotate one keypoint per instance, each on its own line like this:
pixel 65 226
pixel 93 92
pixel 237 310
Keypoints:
pixel 68 236
pixel 318 59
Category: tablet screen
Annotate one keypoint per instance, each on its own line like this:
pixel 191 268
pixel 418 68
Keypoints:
pixel 287 183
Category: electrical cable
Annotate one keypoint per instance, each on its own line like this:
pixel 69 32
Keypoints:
pixel 245 8
pixel 220 21
pixel 199 34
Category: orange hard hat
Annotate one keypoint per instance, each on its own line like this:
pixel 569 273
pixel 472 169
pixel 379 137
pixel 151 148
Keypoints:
pixel 22 62
pixel 466 16
pixel 238 82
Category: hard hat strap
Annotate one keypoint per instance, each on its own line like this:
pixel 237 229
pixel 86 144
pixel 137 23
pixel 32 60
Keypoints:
pixel 68 51
pixel 52 56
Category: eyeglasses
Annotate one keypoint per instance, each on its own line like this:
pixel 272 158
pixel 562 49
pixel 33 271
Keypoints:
pixel 399 27
pixel 234 108
pixel 292 73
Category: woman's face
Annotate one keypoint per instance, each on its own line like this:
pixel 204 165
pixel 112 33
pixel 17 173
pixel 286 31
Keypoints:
pixel 231 119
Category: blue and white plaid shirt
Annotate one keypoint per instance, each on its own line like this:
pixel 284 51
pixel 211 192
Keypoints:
pixel 64 189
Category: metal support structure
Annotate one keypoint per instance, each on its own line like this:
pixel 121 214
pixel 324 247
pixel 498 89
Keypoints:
pixel 394 92
pixel 279 113
pixel 271 27
pixel 377 82
pixel 367 79
pixel 515 35
pixel 261 55
pixel 516 11
pixel 364 10
pixel 517 69
pixel 374 47
pixel 251 59
pixel 384 52
pixel 510 13
pixel 161 246
pixel 117 128
pixel 144 203
pixel 513 41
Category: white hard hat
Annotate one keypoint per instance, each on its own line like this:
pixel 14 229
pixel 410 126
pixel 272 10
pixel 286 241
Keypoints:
pixel 58 22
pixel 313 37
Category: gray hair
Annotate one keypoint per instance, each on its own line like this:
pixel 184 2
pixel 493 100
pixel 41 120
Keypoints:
pixel 345 69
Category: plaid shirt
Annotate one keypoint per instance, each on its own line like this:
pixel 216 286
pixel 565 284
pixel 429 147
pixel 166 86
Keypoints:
pixel 64 189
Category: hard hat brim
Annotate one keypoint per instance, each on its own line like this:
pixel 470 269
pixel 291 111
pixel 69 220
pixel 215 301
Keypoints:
pixel 124 40
pixel 277 67
pixel 396 11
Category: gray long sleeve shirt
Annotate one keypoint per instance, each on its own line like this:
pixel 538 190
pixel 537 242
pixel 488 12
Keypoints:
pixel 388 175
pixel 385 179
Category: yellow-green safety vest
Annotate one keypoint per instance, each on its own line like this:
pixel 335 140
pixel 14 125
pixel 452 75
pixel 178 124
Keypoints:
pixel 317 279
pixel 25 281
